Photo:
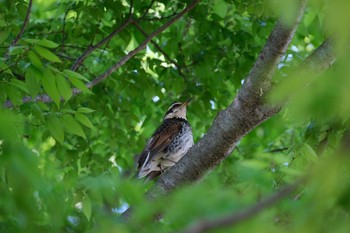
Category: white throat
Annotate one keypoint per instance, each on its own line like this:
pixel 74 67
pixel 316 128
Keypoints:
pixel 178 113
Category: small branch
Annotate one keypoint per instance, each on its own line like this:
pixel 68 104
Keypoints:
pixel 235 218
pixel 63 30
pixel 162 18
pixel 25 23
pixel 278 150
pixel 75 46
pixel 147 10
pixel 90 49
pixel 160 49
pixel 131 7
pixel 9 68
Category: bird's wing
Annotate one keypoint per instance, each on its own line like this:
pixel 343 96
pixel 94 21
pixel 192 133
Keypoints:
pixel 163 137
pixel 159 141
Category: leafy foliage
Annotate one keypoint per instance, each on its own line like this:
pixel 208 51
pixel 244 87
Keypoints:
pixel 67 165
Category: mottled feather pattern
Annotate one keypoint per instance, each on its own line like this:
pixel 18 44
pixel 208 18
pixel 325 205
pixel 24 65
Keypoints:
pixel 165 147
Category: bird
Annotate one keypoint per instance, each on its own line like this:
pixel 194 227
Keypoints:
pixel 168 144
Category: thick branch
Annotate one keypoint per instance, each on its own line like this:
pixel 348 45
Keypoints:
pixel 321 59
pixel 234 218
pixel 245 113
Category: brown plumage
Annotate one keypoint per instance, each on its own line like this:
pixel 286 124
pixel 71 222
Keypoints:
pixel 168 143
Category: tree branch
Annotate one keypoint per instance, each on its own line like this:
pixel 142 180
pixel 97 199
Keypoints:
pixel 235 218
pixel 25 23
pixel 244 114
pixel 46 99
pixel 142 45
pixel 90 49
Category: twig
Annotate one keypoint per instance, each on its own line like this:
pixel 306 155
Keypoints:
pixel 131 7
pixel 8 68
pixel 162 18
pixel 25 23
pixel 90 49
pixel 235 218
pixel 63 30
pixel 75 46
pixel 278 150
pixel 147 10
pixel 160 49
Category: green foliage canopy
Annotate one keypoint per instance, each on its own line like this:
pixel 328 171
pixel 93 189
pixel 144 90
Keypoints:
pixel 67 158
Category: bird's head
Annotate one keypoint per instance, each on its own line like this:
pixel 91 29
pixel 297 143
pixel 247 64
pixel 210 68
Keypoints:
pixel 177 110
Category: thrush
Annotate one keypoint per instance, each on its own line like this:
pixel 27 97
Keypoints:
pixel 168 144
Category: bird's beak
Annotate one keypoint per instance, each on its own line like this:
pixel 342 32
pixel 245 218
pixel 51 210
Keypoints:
pixel 186 102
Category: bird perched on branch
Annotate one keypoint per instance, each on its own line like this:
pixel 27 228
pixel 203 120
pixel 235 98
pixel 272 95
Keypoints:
pixel 168 143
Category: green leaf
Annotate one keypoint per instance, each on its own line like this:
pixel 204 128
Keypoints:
pixel 87 209
pixel 35 59
pixel 84 120
pixel 47 43
pixel 6 69
pixel 63 87
pixel 3 93
pixel 47 54
pixel 15 95
pixel 14 50
pixel 79 84
pixel 85 110
pixel 71 73
pixel 3 35
pixel 55 127
pixel 19 84
pixel 32 81
pixel 31 41
pixel 36 111
pixel 309 153
pixel 72 126
pixel 220 8
pixel 50 87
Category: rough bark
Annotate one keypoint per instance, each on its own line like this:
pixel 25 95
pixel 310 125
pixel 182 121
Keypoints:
pixel 247 111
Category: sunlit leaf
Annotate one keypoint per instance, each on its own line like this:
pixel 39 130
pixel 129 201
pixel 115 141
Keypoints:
pixel 84 120
pixel 72 126
pixel 79 84
pixel 47 43
pixel 35 59
pixel 87 208
pixel 85 110
pixel 71 73
pixel 63 87
pixel 47 54
pixel 49 83
pixel 56 128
